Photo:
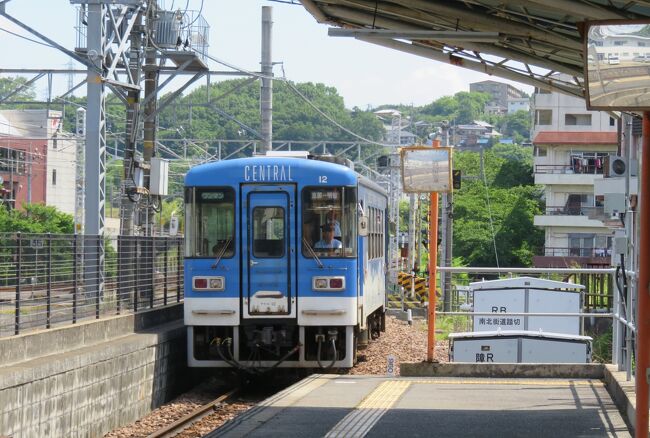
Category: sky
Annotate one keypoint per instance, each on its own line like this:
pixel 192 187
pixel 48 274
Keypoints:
pixel 364 74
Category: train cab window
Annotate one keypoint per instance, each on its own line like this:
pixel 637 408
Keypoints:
pixel 210 229
pixel 329 222
pixel 268 232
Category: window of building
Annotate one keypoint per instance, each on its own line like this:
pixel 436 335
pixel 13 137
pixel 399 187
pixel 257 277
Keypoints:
pixel 612 121
pixel 540 151
pixel 640 44
pixel 620 43
pixel 53 177
pixel 581 244
pixel 543 117
pixel 577 119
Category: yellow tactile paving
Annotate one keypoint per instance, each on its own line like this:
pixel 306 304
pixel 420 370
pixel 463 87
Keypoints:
pixel 359 422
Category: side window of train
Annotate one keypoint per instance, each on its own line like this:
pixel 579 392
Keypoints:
pixel 212 233
pixel 268 232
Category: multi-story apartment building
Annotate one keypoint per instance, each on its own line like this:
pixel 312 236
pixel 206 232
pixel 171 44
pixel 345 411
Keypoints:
pixel 37 160
pixel 571 144
pixel 501 94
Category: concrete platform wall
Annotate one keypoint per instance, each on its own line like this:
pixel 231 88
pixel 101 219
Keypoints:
pixel 91 378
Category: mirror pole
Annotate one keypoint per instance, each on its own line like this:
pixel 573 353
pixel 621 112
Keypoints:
pixel 643 323
pixel 433 263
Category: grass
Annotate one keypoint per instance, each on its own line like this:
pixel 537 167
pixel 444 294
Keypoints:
pixel 602 347
pixel 446 324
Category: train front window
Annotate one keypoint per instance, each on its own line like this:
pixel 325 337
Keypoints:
pixel 210 222
pixel 268 232
pixel 329 221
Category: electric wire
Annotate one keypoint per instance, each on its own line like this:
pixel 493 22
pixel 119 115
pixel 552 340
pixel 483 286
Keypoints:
pixel 26 38
pixel 487 197
pixel 198 15
pixel 293 88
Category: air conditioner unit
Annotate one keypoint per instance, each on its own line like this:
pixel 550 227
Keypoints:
pixel 614 166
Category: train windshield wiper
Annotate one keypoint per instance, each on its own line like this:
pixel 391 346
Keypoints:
pixel 313 253
pixel 221 253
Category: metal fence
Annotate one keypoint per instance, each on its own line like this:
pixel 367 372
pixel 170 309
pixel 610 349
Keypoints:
pixel 598 296
pixel 49 280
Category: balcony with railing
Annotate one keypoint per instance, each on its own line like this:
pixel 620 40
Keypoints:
pixel 571 215
pixel 559 257
pixel 550 174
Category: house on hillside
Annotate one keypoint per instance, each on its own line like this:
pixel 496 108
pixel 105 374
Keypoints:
pixel 474 134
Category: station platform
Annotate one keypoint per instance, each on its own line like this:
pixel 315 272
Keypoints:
pixel 375 406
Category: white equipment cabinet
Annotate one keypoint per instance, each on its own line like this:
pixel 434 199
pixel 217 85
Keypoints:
pixel 516 346
pixel 527 295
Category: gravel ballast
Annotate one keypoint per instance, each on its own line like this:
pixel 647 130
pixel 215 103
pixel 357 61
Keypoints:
pixel 407 343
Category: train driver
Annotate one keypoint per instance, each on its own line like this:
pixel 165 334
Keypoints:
pixel 331 219
pixel 328 241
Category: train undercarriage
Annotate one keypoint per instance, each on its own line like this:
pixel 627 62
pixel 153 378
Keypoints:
pixel 260 345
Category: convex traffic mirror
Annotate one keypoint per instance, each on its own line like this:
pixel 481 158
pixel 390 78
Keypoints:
pixel 617 65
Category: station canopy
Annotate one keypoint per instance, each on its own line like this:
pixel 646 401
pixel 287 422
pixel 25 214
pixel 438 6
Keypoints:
pixel 525 41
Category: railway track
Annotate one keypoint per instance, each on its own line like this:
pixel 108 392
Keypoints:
pixel 193 417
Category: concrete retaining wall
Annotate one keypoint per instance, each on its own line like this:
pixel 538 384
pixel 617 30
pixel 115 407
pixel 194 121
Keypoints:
pixel 91 378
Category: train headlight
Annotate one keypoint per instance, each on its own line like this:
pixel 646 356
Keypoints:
pixel 332 284
pixel 208 284
pixel 216 283
pixel 320 283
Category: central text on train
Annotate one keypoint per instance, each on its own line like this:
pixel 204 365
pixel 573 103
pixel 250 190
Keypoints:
pixel 267 173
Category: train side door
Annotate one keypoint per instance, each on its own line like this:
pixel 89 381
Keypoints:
pixel 268 242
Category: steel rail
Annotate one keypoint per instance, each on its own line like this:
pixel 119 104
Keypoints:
pixel 183 423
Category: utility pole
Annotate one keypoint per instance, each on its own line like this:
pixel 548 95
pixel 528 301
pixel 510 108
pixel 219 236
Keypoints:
pixel 127 206
pixel 79 171
pixel 448 234
pixel 411 231
pixel 266 91
pixel 151 75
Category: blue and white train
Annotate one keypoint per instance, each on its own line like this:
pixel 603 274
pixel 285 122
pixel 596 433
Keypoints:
pixel 285 263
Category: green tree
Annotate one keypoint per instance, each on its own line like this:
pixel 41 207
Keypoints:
pixel 513 203
pixel 36 218
pixel 517 123
pixel 463 107
pixel 10 84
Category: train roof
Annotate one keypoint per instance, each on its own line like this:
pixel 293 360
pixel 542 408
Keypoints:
pixel 270 169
